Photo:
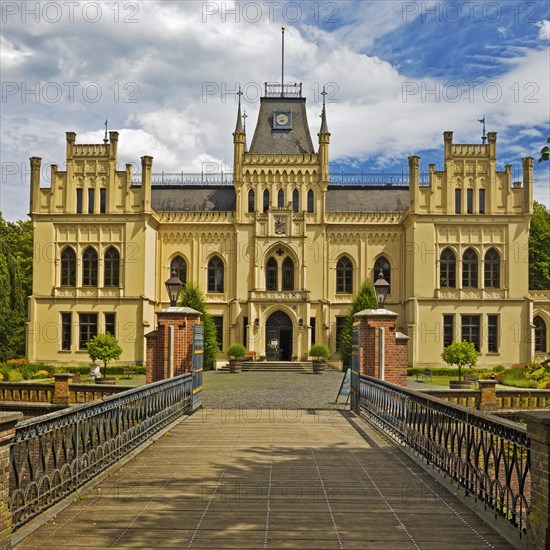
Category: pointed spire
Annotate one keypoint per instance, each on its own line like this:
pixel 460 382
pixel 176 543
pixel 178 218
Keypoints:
pixel 324 125
pixel 239 127
pixel 105 139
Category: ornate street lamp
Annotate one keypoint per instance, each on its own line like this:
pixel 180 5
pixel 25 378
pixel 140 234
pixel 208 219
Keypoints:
pixel 173 287
pixel 381 287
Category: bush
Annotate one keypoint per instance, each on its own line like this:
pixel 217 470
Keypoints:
pixel 14 376
pixel 319 350
pixel 1 377
pixel 236 351
pixel 17 362
pixel 40 374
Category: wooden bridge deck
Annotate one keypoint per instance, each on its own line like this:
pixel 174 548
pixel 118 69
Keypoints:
pixel 248 479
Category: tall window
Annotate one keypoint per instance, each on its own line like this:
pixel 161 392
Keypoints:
pixel 111 270
pixel 492 333
pixel 469 269
pixel 281 199
pixel 448 330
pixel 102 200
pixel 312 325
pixel 266 200
pixel 91 199
pixel 288 274
pixel 87 325
pixel 66 332
pixel 383 265
pixel 470 329
pixel 251 200
pixel 68 267
pixel 110 323
pixel 458 201
pixel 540 334
pixel 218 323
pixel 295 200
pixel 492 269
pixel 89 267
pixel 310 201
pixel 482 201
pixel 344 276
pixel 215 275
pixel 179 265
pixel 470 201
pixel 447 269
pixel 271 274
pixel 79 201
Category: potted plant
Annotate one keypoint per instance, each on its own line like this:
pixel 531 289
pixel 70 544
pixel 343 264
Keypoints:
pixel 460 354
pixel 236 352
pixel 319 352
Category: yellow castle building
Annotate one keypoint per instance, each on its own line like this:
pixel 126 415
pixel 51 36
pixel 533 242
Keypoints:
pixel 280 246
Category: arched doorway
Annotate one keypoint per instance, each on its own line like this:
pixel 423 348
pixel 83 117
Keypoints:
pixel 279 328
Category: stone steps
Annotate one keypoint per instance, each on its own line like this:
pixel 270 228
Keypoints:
pixel 274 366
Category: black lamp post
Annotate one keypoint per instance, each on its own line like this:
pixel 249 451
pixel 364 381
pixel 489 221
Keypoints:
pixel 381 287
pixel 173 287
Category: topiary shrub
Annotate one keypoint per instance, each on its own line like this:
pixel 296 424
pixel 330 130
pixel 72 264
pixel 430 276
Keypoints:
pixel 319 351
pixel 236 351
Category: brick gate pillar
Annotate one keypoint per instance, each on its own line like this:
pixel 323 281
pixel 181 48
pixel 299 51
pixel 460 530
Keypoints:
pixel 7 433
pixel 170 346
pixel 383 352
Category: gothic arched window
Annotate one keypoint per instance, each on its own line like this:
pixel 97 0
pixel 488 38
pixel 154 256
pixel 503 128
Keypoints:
pixel 251 201
pixel 179 265
pixel 281 199
pixel 295 200
pixel 540 334
pixel 271 269
pixel 447 269
pixel 288 274
pixel 89 267
pixel 469 269
pixel 68 267
pixel 111 267
pixel 266 200
pixel 344 276
pixel 215 275
pixel 492 269
pixel 310 201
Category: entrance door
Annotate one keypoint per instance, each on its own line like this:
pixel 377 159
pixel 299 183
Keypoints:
pixel 279 328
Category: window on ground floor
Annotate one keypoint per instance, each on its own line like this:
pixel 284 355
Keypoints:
pixel 87 324
pixel 66 332
pixel 492 333
pixel 470 330
pixel 448 330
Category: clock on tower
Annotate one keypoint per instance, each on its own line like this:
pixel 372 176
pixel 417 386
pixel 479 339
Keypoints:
pixel 282 120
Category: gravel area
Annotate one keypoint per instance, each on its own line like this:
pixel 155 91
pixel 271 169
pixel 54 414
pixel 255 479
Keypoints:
pixel 272 390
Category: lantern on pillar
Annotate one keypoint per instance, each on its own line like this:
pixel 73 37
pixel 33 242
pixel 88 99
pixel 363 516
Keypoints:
pixel 381 287
pixel 173 287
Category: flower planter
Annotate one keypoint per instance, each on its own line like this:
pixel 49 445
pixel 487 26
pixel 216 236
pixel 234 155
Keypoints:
pixel 318 367
pixel 235 365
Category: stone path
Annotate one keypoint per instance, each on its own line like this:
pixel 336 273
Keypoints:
pixel 249 476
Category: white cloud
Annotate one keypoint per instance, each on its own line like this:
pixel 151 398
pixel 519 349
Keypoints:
pixel 544 29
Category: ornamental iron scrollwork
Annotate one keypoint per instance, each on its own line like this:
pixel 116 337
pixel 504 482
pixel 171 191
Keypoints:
pixel 55 454
pixel 488 456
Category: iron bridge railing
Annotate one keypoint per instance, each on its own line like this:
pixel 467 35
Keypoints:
pixel 489 457
pixel 55 454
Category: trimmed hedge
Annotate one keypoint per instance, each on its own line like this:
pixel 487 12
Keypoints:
pixel 446 371
pixel 111 369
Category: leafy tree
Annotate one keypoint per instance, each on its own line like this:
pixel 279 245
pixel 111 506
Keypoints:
pixel 539 248
pixel 191 296
pixel 364 299
pixel 103 347
pixel 460 354
pixel 545 152
pixel 16 284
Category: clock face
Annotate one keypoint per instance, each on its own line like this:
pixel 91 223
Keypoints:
pixel 282 120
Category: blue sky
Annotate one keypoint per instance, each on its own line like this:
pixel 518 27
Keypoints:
pixel 399 73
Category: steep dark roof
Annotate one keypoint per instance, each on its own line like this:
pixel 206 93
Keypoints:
pixel 293 142
pixel 193 199
pixel 367 200
pixel 222 199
